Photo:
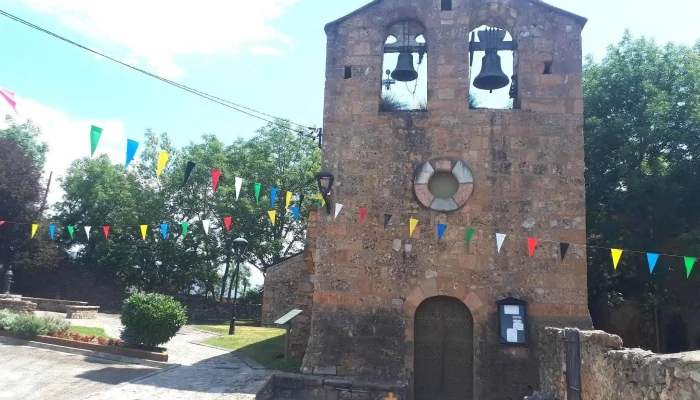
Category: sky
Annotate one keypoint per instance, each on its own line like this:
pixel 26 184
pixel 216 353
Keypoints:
pixel 267 55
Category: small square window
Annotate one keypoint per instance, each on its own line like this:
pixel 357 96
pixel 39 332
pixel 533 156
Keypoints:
pixel 446 5
pixel 348 72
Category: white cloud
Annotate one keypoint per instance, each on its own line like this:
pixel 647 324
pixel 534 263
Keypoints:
pixel 157 31
pixel 68 138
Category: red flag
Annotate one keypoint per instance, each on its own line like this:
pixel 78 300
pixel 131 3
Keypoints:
pixel 363 213
pixel 227 222
pixel 215 174
pixel 531 244
pixel 105 229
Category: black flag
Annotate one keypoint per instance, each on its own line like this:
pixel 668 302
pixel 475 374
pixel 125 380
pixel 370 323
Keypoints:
pixel 563 248
pixel 188 170
pixel 301 200
pixel 387 217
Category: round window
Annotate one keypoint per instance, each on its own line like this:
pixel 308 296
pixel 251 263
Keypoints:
pixel 443 184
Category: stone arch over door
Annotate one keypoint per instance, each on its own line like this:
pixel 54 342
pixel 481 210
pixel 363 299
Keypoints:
pixel 443 350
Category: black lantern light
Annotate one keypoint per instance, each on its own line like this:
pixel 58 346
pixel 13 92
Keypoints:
pixel 240 246
pixel 512 321
pixel 8 279
pixel 325 183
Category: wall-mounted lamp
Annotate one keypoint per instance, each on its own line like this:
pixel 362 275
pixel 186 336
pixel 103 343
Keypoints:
pixel 325 183
pixel 512 321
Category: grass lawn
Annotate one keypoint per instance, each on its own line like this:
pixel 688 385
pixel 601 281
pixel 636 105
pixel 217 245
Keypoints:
pixel 264 345
pixel 89 331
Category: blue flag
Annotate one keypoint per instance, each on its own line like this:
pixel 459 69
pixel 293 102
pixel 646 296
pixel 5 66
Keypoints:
pixel 441 230
pixel 52 230
pixel 652 258
pixel 295 212
pixel 273 196
pixel 131 147
pixel 164 230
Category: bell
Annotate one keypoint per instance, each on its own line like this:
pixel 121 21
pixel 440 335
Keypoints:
pixel 404 71
pixel 491 76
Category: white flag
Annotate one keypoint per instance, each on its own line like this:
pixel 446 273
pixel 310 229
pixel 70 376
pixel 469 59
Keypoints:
pixel 239 182
pixel 500 237
pixel 87 231
pixel 338 207
pixel 205 224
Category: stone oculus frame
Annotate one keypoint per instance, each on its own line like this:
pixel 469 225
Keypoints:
pixel 463 175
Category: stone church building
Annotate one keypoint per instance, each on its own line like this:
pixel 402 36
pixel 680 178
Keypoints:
pixel 384 305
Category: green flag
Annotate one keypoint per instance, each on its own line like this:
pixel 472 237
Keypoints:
pixel 70 231
pixel 95 133
pixel 257 192
pixel 689 262
pixel 185 226
pixel 470 236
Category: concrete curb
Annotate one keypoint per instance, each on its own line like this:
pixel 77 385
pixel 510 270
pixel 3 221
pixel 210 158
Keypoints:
pixel 244 357
pixel 88 353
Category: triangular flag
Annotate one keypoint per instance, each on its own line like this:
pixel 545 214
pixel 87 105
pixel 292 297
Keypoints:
pixel 164 230
pixel 131 147
pixel 295 212
pixel 239 183
pixel 144 229
pixel 563 248
pixel 387 217
pixel 288 199
pixel 52 231
pixel 652 258
pixel 71 231
pixel 616 254
pixel 215 175
pixel 105 229
pixel 338 207
pixel 272 214
pixel 185 228
pixel 205 225
pixel 441 230
pixel 412 223
pixel 257 192
pixel 34 228
pixel 2 222
pixel 273 197
pixel 363 213
pixel 163 157
pixel 301 199
pixel 531 244
pixel 9 97
pixel 320 198
pixel 470 236
pixel 689 262
pixel 500 237
pixel 188 170
pixel 87 231
pixel 227 223
pixel 95 133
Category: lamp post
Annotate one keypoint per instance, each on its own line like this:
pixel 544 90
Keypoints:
pixel 240 245
pixel 325 183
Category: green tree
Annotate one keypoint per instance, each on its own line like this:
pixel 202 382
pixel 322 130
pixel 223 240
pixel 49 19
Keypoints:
pixel 26 135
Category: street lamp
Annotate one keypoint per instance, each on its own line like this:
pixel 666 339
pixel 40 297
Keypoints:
pixel 240 246
pixel 325 183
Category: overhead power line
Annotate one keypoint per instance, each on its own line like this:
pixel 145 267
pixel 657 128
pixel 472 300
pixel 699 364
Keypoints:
pixel 312 131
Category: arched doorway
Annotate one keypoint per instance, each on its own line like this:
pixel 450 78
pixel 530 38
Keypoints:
pixel 444 350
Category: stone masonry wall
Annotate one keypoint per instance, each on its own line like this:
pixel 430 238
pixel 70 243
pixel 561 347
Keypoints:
pixel 611 372
pixel 15 304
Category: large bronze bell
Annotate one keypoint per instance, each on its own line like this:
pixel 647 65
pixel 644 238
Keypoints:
pixel 491 76
pixel 404 71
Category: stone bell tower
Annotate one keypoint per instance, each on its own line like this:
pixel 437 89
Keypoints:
pixel 413 309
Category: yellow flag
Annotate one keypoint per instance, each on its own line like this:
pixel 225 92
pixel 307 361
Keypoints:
pixel 289 199
pixel 144 229
pixel 272 216
pixel 320 197
pixel 34 228
pixel 412 224
pixel 616 254
pixel 162 160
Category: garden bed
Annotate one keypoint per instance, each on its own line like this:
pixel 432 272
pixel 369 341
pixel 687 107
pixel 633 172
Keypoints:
pixel 157 354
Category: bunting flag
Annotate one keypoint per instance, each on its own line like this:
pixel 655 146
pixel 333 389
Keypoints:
pixel 215 175
pixel 563 248
pixel 2 222
pixel 272 214
pixel 164 230
pixel 338 207
pixel 387 218
pixel 227 223
pixel 131 147
pixel 412 223
pixel 205 225
pixel 616 254
pixel 470 236
pixel 87 232
pixel 70 231
pixel 9 97
pixel 500 237
pixel 185 228
pixel 239 183
pixel 95 134
pixel 34 228
pixel 363 213
pixel 257 192
pixel 295 212
pixel 320 198
pixel 652 258
pixel 288 199
pixel 105 229
pixel 441 230
pixel 188 170
pixel 162 161
pixel 273 197
pixel 689 262
pixel 301 199
pixel 531 244
pixel 52 231
pixel 144 229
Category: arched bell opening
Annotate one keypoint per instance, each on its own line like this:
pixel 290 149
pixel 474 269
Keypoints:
pixel 493 60
pixel 405 68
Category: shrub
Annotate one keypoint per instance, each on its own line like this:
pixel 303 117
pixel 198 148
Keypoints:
pixel 54 324
pixel 6 319
pixel 31 325
pixel 151 319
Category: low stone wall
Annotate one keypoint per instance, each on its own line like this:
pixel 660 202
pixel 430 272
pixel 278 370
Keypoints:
pixel 611 372
pixel 82 312
pixel 202 309
pixel 54 305
pixel 16 305
pixel 307 387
